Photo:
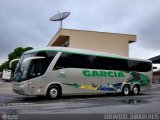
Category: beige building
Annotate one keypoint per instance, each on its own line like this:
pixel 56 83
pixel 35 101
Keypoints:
pixel 91 40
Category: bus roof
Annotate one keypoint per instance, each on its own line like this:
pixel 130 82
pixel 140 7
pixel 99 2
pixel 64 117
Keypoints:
pixel 82 51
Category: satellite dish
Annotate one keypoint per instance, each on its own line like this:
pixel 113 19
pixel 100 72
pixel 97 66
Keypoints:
pixel 60 16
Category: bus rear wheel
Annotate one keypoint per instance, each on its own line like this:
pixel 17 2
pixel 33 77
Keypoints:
pixel 135 90
pixel 126 90
pixel 53 92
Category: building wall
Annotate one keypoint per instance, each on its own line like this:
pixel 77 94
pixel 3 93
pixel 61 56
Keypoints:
pixel 97 41
pixel 156 77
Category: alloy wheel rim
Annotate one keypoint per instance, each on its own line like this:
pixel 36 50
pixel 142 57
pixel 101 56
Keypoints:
pixel 135 90
pixel 126 91
pixel 53 93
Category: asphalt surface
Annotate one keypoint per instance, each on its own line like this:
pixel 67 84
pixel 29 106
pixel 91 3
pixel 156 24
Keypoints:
pixel 89 107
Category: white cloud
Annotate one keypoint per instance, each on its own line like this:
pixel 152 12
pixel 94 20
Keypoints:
pixel 137 51
pixel 26 22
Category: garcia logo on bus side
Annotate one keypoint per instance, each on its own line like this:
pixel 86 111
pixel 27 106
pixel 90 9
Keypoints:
pixel 93 73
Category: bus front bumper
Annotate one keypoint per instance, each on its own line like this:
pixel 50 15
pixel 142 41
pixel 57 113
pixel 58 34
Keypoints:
pixel 20 90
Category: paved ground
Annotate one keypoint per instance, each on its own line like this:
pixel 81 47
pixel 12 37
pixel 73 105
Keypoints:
pixel 77 107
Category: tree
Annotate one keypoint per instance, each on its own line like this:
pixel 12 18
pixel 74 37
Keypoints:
pixel 4 65
pixel 13 55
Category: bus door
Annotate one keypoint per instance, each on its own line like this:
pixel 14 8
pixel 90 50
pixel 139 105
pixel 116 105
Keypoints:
pixel 36 71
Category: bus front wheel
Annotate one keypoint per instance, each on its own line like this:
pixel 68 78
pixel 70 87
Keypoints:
pixel 53 92
pixel 126 90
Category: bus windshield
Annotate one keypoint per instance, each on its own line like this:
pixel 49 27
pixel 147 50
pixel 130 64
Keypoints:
pixel 32 67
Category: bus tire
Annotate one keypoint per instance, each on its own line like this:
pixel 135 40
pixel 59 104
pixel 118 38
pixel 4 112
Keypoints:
pixel 135 90
pixel 126 90
pixel 53 92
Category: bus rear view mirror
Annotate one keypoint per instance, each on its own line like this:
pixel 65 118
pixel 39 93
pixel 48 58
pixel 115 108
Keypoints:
pixel 25 61
pixel 14 61
pixel 32 58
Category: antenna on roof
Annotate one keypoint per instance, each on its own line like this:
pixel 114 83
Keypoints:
pixel 59 17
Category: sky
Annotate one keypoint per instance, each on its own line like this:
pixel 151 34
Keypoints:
pixel 26 23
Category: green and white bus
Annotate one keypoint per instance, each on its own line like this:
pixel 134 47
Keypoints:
pixel 57 71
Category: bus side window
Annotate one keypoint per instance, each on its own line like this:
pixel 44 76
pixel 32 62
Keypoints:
pixel 61 62
pixel 69 60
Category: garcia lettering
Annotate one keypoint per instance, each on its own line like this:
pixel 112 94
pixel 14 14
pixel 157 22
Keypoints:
pixel 110 74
